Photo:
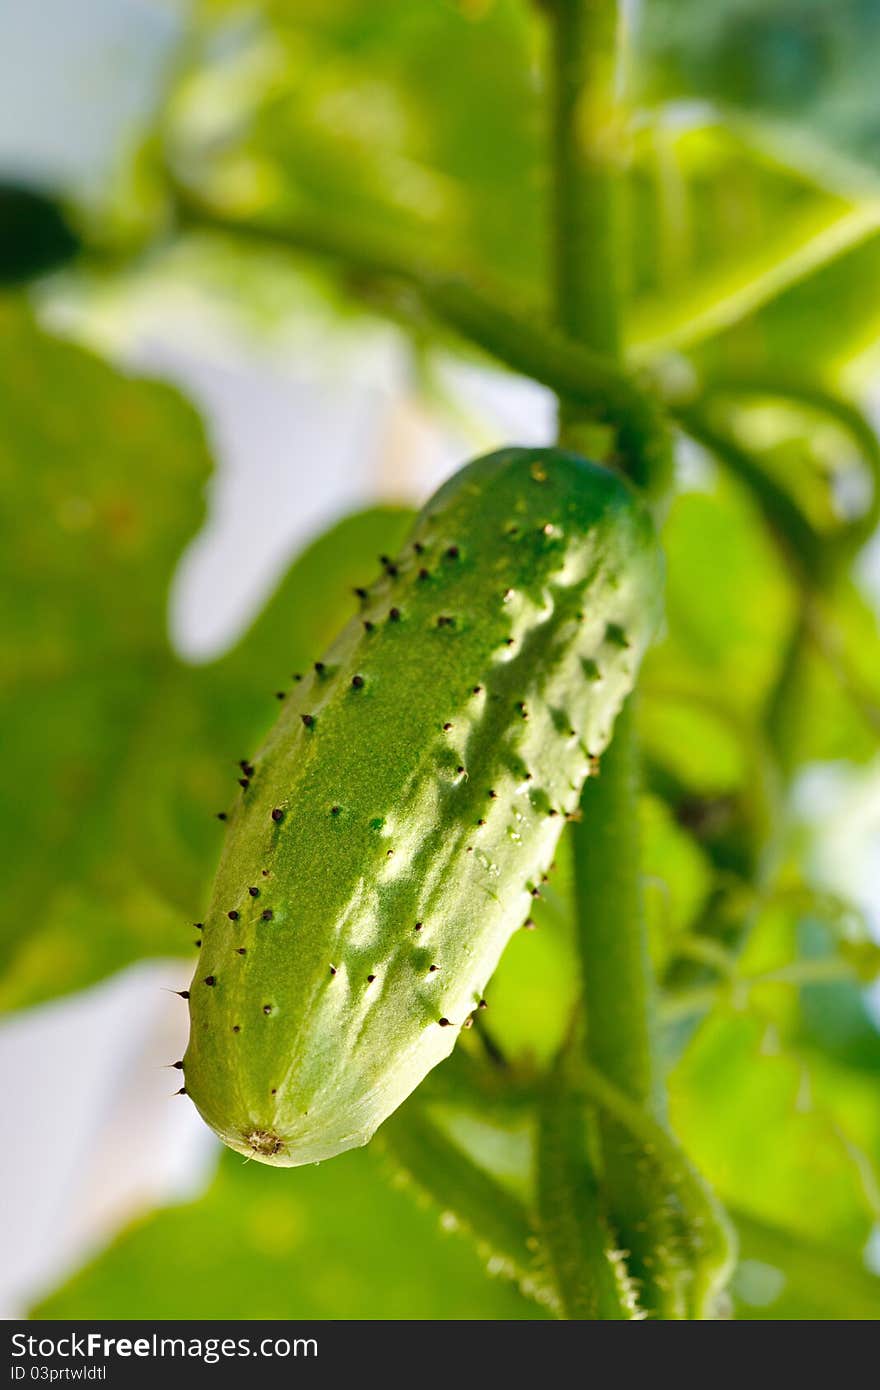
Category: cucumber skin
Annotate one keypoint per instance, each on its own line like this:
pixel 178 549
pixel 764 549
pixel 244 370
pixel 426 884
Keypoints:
pixel 422 774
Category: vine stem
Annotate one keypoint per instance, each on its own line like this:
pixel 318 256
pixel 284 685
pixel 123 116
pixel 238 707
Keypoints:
pixel 587 163
pixel 516 336
pixel 588 156
pixel 612 932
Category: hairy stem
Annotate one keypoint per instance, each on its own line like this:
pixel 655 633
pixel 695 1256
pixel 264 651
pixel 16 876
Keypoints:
pixel 587 164
pixel 588 1270
pixel 612 935
pixel 611 926
pixel 494 1218
pixel 702 1237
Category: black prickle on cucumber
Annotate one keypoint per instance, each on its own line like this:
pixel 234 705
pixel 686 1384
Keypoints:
pixel 398 818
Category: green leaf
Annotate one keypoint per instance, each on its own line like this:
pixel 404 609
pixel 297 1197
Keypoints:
pixel 783 1277
pixel 676 875
pixel 780 321
pixel 102 481
pixel 119 755
pixel 333 1241
pixel 745 1106
pixel 328 112
pixel 365 115
pixel 724 638
pixel 806 62
pixel 828 708
pixel 728 216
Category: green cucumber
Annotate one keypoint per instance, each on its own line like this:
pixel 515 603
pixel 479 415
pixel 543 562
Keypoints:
pixel 396 824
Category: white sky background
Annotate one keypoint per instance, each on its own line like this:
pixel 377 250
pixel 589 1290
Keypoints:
pixel 74 76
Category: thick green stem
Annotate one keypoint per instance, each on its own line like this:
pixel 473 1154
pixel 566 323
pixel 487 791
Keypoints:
pixel 619 1005
pixel 612 932
pixel 618 993
pixel 588 1269
pixel 587 138
pixel 496 1220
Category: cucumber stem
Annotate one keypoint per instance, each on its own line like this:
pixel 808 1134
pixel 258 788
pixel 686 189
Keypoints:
pixel 587 165
pixel 588 150
pixel 612 935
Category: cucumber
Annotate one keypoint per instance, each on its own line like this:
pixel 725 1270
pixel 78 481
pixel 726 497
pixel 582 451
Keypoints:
pixel 391 833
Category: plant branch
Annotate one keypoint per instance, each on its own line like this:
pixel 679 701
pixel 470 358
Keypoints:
pixel 521 340
pixel 589 1271
pixel 495 1219
pixel 612 934
pixel 588 164
pixel 812 396
pixel 705 1239
pixel 801 546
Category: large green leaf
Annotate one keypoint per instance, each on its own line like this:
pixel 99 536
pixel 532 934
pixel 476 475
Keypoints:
pixel 750 1116
pixel 330 1241
pixel 102 482
pixel 782 1277
pixel 729 606
pixel 345 115
pixel 830 706
pixel 368 113
pixel 789 325
pixel 806 61
pixel 119 755
pixel 727 217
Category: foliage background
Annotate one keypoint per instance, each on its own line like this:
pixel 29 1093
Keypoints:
pixel 755 198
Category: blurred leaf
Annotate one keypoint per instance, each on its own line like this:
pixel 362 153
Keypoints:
pixel 802 60
pixel 724 638
pixel 102 482
pixel 697 745
pixel 835 1020
pixel 829 708
pixel 803 451
pixel 367 117
pixel 804 71
pixel 676 876
pixel 331 1241
pixel 118 754
pixel 781 1276
pixel 823 1021
pixel 793 328
pixel 744 1107
pixel 366 114
pixel 727 218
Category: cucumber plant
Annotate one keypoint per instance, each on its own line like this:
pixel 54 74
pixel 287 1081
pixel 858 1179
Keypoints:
pixel 392 830
pixel 391 833
pixel 662 1102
